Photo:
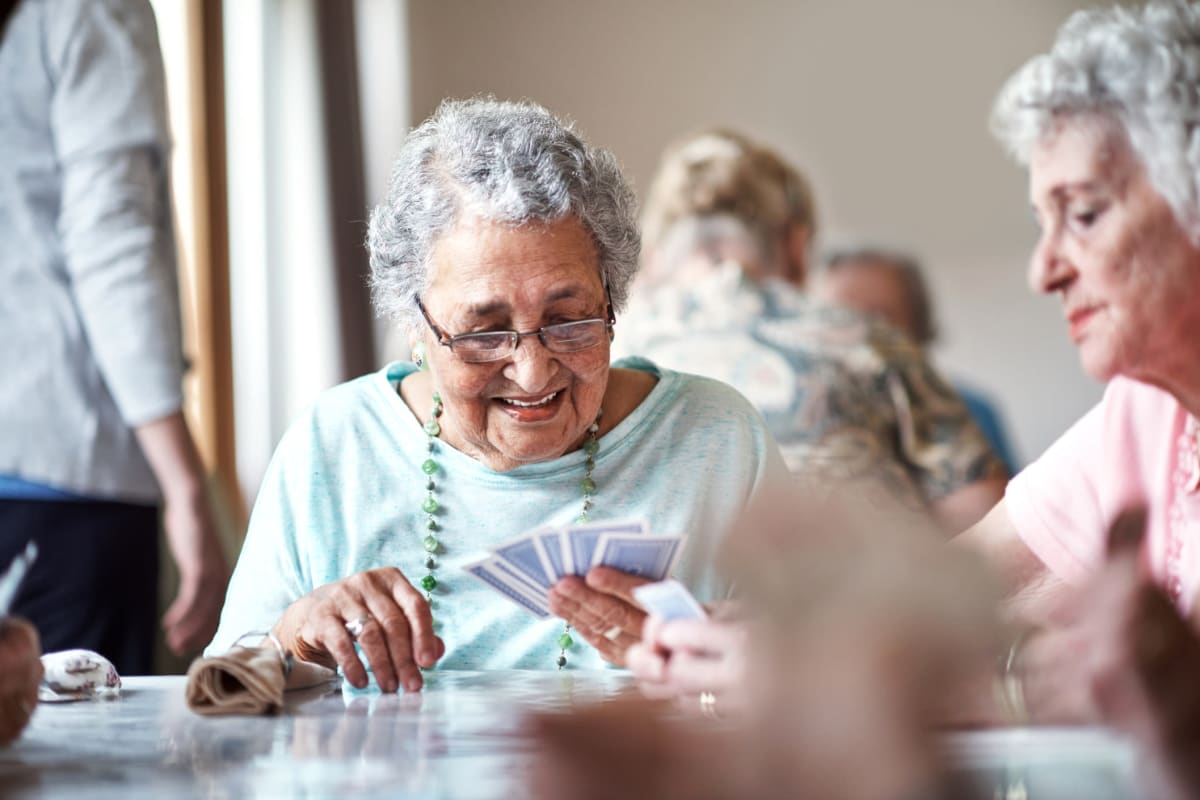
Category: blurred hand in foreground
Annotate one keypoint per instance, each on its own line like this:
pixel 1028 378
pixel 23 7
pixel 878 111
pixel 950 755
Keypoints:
pixel 20 674
pixel 858 621
pixel 1118 652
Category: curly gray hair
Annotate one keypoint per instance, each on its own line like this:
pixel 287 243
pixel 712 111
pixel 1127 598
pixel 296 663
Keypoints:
pixel 509 162
pixel 1137 68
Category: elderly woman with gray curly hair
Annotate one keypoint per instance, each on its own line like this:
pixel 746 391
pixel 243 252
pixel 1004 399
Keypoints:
pixel 505 247
pixel 1108 123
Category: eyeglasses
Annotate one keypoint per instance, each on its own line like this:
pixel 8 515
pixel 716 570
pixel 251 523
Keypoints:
pixel 567 337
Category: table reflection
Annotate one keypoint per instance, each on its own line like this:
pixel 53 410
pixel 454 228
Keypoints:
pixel 461 738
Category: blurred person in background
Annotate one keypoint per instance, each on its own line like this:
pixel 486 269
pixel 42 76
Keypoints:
pixel 891 286
pixel 93 442
pixel 728 226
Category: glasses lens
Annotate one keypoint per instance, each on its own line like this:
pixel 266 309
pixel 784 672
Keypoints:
pixel 572 336
pixel 477 347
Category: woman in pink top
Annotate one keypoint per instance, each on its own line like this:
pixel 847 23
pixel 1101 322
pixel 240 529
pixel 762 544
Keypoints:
pixel 1108 124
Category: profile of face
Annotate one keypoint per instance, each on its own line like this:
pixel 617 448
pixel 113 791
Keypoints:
pixel 535 404
pixel 1113 251
pixel 871 287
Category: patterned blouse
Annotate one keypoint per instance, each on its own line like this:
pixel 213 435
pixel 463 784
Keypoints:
pixel 846 397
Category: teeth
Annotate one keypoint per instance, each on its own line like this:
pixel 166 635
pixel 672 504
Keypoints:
pixel 521 404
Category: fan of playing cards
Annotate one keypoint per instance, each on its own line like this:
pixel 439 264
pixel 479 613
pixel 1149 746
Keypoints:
pixel 524 569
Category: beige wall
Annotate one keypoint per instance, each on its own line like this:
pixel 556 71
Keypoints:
pixel 884 103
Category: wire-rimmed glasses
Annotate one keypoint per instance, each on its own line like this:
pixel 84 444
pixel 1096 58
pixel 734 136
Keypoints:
pixel 565 337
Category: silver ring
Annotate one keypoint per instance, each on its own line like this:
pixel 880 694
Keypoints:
pixel 355 627
pixel 613 633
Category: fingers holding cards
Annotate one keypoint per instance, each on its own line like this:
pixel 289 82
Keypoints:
pixel 527 568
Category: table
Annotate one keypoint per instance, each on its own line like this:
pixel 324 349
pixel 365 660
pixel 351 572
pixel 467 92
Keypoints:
pixel 459 738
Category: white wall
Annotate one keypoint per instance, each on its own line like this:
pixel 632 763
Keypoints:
pixel 884 103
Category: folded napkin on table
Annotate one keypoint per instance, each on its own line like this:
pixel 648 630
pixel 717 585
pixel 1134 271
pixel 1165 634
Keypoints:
pixel 248 680
pixel 78 675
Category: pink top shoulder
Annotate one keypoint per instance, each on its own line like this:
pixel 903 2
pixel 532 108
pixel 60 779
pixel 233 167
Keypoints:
pixel 1138 445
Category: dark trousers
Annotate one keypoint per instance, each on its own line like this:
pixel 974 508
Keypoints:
pixel 94 584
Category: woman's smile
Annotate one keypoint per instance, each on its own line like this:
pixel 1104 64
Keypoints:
pixel 532 409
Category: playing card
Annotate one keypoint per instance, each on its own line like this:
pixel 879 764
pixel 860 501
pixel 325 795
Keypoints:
pixel 670 600
pixel 494 572
pixel 527 558
pixel 645 556
pixel 550 544
pixel 582 540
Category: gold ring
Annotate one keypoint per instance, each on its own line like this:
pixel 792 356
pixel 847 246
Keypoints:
pixel 613 633
pixel 708 705
pixel 355 627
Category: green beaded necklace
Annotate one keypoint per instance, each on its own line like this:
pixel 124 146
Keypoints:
pixel 433 546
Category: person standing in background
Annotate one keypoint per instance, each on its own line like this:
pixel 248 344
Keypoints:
pixel 93 441
pixel 891 286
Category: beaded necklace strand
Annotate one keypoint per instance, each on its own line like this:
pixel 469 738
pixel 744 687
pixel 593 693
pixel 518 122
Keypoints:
pixel 433 546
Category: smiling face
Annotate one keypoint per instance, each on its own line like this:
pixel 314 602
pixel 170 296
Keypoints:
pixel 534 405
pixel 1113 250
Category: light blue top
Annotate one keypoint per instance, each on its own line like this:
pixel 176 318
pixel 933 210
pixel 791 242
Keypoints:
pixel 344 489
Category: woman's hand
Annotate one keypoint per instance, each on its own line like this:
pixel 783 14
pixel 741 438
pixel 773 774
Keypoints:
pixel 20 674
pixel 688 657
pixel 191 620
pixel 1116 652
pixel 397 629
pixel 602 609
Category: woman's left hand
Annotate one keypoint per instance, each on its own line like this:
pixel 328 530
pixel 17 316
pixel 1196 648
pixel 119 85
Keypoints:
pixel 691 657
pixel 601 608
pixel 1118 652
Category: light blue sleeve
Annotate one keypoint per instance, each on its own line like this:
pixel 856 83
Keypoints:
pixel 270 573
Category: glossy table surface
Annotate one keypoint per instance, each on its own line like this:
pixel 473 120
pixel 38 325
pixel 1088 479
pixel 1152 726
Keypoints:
pixel 459 738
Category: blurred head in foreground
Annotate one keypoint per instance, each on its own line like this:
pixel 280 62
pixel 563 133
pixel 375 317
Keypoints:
pixel 860 624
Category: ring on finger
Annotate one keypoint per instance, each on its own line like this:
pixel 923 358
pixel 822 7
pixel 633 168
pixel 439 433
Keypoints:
pixel 613 633
pixel 355 627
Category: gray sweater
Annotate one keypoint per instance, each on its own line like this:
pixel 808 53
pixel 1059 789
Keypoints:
pixel 90 343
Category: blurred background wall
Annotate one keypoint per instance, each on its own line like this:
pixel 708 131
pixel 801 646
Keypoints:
pixel 884 104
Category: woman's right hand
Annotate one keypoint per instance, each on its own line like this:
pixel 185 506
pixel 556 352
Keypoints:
pixel 397 635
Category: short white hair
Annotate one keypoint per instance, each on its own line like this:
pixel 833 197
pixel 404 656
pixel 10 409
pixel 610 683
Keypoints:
pixel 1137 68
pixel 508 162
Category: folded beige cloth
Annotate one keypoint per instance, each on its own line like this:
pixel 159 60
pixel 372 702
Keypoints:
pixel 248 680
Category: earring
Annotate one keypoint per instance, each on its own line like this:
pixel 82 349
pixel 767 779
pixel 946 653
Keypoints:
pixel 418 356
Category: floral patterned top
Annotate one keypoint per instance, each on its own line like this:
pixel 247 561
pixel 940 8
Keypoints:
pixel 845 396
